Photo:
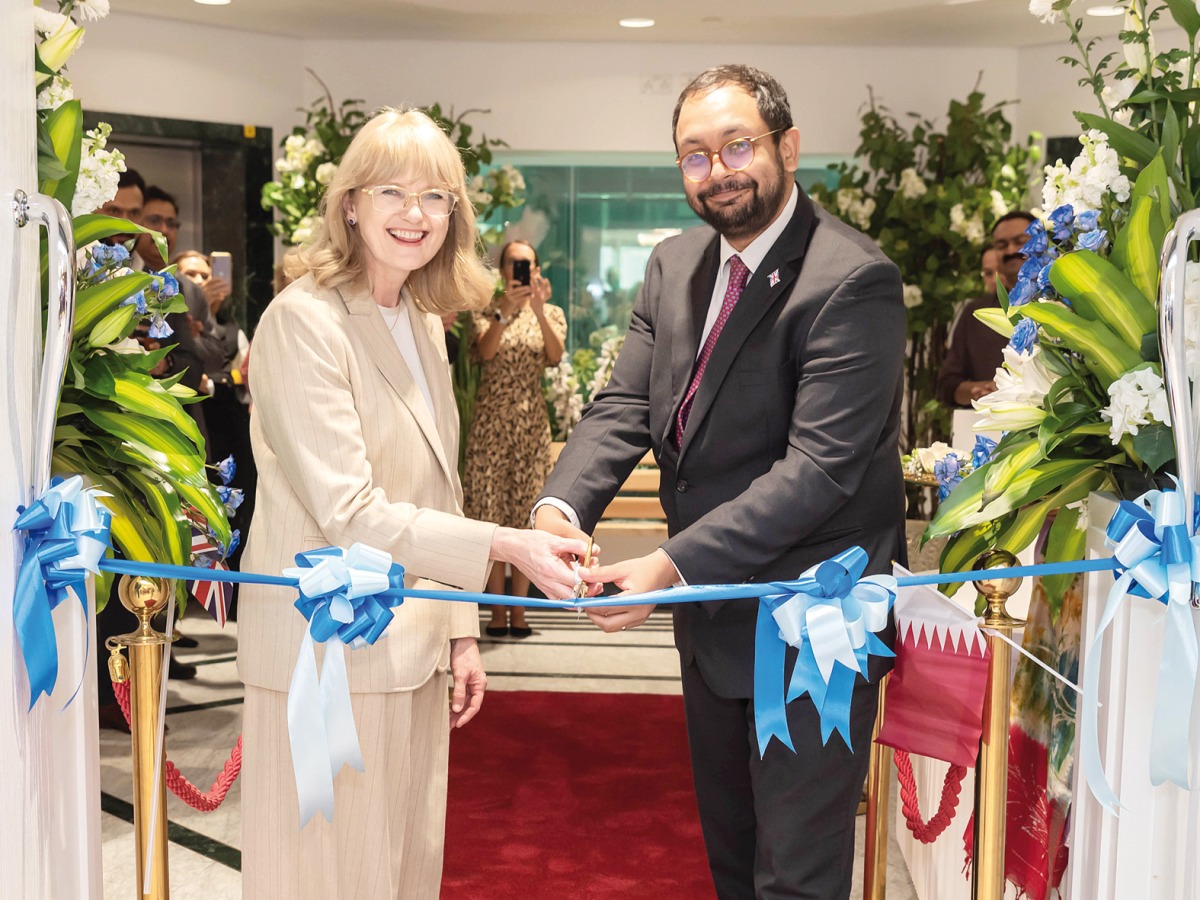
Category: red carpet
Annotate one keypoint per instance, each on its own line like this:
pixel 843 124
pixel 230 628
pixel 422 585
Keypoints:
pixel 556 796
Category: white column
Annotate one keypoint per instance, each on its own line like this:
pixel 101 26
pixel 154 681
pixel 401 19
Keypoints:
pixel 1148 850
pixel 49 759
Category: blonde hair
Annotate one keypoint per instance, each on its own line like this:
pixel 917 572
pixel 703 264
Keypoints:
pixel 398 142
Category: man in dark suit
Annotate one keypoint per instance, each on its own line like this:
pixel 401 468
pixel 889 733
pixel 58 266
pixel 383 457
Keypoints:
pixel 773 411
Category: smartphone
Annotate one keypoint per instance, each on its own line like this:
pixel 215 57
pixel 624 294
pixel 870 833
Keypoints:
pixel 521 271
pixel 222 265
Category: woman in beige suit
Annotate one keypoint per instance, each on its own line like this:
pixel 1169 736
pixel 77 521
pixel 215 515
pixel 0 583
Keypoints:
pixel 355 435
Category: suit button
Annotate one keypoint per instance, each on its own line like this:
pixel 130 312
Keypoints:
pixel 681 486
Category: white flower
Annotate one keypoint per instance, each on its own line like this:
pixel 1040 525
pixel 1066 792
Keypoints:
pixel 912 185
pixel 853 206
pixel 1021 385
pixel 1136 399
pixel 325 172
pixel 297 181
pixel 283 164
pixel 561 389
pixel 99 171
pixel 972 229
pixel 1095 173
pixel 294 143
pixel 1044 10
pixel 999 205
pixel 46 22
pixel 605 360
pixel 515 179
pixel 313 147
pixel 305 229
pixel 54 93
pixel 912 296
pixel 1008 172
pixel 928 456
pixel 91 10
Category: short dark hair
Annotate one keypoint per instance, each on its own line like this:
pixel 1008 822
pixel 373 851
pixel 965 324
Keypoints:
pixel 772 100
pixel 1015 214
pixel 154 192
pixel 508 246
pixel 131 178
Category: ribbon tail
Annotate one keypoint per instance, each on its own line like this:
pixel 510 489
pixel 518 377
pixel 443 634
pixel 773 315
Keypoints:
pixel 306 734
pixel 81 595
pixel 35 627
pixel 806 678
pixel 770 714
pixel 339 716
pixel 835 711
pixel 1170 733
pixel 1089 713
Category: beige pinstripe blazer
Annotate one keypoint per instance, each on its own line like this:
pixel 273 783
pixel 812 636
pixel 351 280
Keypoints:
pixel 347 451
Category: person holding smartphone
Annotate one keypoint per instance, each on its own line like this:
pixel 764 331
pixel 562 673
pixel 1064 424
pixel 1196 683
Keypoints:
pixel 508 448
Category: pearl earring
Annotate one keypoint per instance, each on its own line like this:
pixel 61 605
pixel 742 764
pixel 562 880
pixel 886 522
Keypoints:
pixel 351 221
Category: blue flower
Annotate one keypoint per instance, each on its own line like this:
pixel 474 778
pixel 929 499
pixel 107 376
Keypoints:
pixel 983 446
pixel 946 470
pixel 138 300
pixel 1092 240
pixel 234 540
pixel 1037 243
pixel 1043 278
pixel 1024 335
pixel 1060 221
pixel 231 497
pixel 1032 267
pixel 1023 291
pixel 105 255
pixel 226 469
pixel 165 285
pixel 159 329
pixel 1087 220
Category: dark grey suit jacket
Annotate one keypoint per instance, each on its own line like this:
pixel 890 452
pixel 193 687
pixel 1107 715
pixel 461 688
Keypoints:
pixel 790 451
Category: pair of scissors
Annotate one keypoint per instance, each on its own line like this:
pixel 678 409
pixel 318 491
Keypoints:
pixel 581 589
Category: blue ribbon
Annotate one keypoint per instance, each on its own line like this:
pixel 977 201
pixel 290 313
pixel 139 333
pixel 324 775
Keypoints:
pixel 1156 557
pixel 831 615
pixel 67 532
pixel 346 597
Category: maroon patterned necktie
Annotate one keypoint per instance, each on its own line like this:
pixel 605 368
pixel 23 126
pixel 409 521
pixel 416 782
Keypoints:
pixel 738 275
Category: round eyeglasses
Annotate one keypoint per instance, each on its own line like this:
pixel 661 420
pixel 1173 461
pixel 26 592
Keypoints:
pixel 389 199
pixel 735 156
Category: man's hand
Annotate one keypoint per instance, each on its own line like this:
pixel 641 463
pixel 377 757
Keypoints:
pixel 633 576
pixel 972 390
pixel 551 519
pixel 470 682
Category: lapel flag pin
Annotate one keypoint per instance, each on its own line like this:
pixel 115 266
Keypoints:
pixel 773 278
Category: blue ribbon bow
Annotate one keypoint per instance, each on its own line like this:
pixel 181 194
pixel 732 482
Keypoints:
pixel 831 615
pixel 67 533
pixel 1156 557
pixel 346 597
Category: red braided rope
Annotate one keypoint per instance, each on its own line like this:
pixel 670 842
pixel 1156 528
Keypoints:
pixel 927 832
pixel 179 785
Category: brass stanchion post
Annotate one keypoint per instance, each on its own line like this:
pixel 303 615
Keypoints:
pixel 145 598
pixel 991 771
pixel 879 782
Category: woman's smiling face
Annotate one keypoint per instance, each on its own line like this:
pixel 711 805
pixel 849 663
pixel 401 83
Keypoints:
pixel 396 242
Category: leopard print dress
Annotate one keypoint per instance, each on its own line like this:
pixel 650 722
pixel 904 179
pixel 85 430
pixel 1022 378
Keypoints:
pixel 508 448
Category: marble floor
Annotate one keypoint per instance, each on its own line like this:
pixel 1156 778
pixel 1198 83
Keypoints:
pixel 566 653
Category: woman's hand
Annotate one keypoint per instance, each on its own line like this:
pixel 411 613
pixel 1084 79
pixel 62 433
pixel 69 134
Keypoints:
pixel 548 560
pixel 539 294
pixel 470 682
pixel 514 298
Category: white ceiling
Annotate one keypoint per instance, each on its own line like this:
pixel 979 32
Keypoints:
pixel 982 23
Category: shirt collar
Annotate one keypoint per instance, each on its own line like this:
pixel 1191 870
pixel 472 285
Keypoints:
pixel 758 248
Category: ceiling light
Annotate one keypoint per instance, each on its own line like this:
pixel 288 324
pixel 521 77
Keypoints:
pixel 637 23
pixel 1105 10
pixel 214 2
pixel 960 2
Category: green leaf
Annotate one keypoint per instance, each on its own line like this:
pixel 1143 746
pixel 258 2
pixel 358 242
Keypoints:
pixel 1100 292
pixel 1004 468
pixel 1035 482
pixel 64 129
pixel 95 302
pixel 94 227
pixel 1186 17
pixel 1127 142
pixel 1105 354
pixel 1025 527
pixel 140 394
pixel 1065 543
pixel 1155 445
pixel 960 553
pixel 1170 139
pixel 163 502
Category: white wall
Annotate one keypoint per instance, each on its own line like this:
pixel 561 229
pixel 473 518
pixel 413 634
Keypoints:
pixel 588 96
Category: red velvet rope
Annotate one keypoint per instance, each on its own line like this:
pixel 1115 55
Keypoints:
pixel 927 832
pixel 179 785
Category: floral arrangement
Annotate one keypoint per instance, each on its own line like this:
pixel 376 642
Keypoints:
pixel 927 195
pixel 572 384
pixel 942 466
pixel 312 151
pixel 118 426
pixel 1081 395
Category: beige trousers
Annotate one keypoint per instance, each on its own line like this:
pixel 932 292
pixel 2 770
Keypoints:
pixel 385 841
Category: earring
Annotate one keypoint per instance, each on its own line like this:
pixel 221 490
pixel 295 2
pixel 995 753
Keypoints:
pixel 351 221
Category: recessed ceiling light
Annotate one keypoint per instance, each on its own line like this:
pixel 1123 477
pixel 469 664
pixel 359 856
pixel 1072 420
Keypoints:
pixel 1105 10
pixel 637 23
pixel 214 2
pixel 960 2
